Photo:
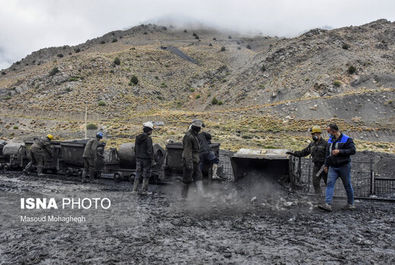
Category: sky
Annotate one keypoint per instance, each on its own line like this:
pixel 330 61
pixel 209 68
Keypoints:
pixel 29 25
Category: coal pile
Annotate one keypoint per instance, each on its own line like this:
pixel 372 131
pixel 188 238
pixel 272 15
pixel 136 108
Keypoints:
pixel 230 226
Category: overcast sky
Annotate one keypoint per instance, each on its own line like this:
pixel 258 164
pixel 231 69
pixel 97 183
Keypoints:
pixel 28 25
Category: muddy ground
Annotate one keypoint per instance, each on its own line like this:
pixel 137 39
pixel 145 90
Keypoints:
pixel 228 227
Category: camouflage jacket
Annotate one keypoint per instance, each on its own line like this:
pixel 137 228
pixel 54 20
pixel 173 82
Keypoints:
pixel 42 145
pixel 91 151
pixel 317 150
pixel 191 147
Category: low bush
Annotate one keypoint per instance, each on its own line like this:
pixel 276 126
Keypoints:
pixel 101 103
pixel 117 61
pixel 91 126
pixel 54 71
pixel 351 70
pixel 134 80
pixel 345 46
pixel 337 83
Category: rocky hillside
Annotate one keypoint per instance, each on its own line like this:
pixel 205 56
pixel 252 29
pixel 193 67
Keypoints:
pixel 252 91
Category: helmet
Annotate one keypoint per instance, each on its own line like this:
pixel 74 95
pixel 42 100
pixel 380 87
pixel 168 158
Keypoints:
pixel 50 136
pixel 316 129
pixel 197 123
pixel 99 135
pixel 148 124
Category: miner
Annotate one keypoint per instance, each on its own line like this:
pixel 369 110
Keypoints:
pixel 190 157
pixel 91 155
pixel 40 151
pixel 317 150
pixel 208 159
pixel 338 165
pixel 144 152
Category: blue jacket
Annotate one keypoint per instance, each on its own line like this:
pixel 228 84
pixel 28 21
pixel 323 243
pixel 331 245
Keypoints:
pixel 345 145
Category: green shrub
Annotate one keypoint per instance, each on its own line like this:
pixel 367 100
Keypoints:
pixel 74 78
pixel 163 85
pixel 223 49
pixel 60 55
pixel 77 50
pixel 101 103
pixel 215 101
pixel 114 40
pixel 345 46
pixel 91 126
pixel 117 61
pixel 262 86
pixel 68 89
pixel 248 46
pixel 197 96
pixel 102 42
pixel 15 127
pixel 351 70
pixel 192 89
pixel 134 80
pixel 263 68
pixel 54 71
pixel 337 83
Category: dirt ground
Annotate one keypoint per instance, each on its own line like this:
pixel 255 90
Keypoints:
pixel 229 227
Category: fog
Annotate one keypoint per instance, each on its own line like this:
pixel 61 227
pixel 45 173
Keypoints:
pixel 26 25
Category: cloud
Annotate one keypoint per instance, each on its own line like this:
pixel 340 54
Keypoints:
pixel 27 25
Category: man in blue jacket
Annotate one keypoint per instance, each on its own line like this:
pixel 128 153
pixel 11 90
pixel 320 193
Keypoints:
pixel 338 164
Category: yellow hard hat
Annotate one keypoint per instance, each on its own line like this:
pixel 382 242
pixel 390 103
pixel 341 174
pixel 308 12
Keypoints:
pixel 316 129
pixel 50 136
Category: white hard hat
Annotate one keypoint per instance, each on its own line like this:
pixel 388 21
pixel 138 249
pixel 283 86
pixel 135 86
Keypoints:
pixel 148 124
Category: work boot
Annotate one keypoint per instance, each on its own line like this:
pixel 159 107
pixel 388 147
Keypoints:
pixel 144 189
pixel 135 185
pixel 215 168
pixel 350 207
pixel 326 207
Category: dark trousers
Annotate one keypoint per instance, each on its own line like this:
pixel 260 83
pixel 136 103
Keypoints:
pixel 317 180
pixel 191 174
pixel 143 168
pixel 89 167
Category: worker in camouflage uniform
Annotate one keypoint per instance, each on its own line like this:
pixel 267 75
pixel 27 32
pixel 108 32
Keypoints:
pixel 208 159
pixel 91 155
pixel 190 157
pixel 40 151
pixel 317 151
pixel 144 152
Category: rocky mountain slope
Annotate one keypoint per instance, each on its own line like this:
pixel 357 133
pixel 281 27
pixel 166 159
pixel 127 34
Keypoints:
pixel 252 91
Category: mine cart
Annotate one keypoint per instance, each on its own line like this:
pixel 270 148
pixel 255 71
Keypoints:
pixel 13 156
pixel 50 163
pixel 174 163
pixel 121 164
pixel 72 162
pixel 266 165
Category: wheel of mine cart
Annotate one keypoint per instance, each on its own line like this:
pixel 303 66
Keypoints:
pixel 117 177
pixel 68 172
